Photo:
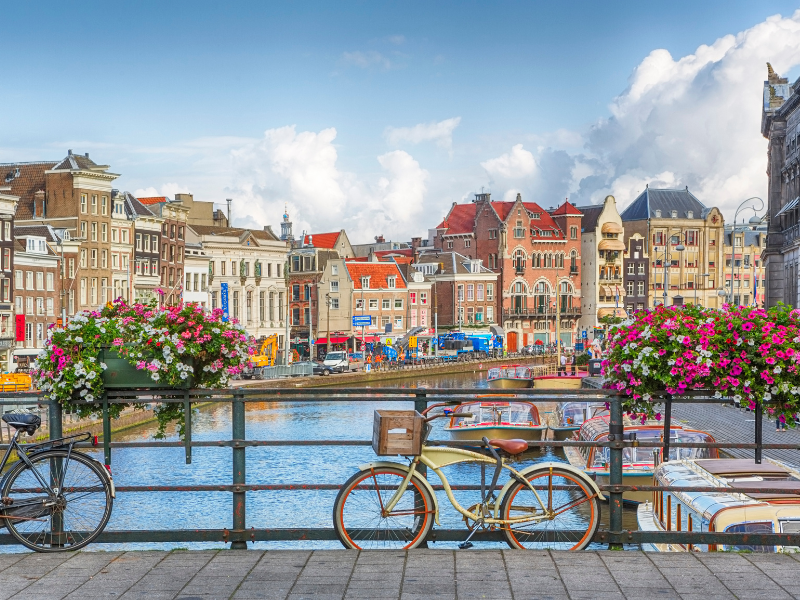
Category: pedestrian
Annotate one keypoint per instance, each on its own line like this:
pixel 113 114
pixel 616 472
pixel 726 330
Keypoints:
pixel 572 362
pixel 780 424
pixel 562 369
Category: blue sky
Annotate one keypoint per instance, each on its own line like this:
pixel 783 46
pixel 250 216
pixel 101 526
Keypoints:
pixel 407 104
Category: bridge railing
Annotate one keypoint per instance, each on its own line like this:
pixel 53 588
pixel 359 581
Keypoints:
pixel 236 531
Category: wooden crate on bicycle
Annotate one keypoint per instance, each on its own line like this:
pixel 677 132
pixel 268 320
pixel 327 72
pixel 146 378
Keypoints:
pixel 397 432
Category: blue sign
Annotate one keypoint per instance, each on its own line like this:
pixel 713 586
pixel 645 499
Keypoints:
pixel 362 320
pixel 584 334
pixel 578 346
pixel 224 300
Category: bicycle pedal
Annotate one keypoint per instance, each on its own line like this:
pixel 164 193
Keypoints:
pixel 465 545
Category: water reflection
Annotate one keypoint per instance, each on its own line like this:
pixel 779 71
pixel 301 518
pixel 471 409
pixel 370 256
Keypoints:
pixel 332 420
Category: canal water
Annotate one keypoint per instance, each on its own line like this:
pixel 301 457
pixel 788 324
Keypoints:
pixel 291 465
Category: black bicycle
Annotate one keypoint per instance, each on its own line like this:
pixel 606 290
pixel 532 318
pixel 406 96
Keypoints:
pixel 54 498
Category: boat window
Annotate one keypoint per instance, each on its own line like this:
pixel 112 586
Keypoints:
pixel 753 527
pixel 523 373
pixel 512 413
pixel 644 456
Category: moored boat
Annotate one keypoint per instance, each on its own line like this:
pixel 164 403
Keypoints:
pixel 756 511
pixel 637 462
pixel 510 377
pixel 496 420
pixel 556 382
pixel 569 416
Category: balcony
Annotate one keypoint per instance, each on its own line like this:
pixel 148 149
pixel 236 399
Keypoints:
pixel 538 311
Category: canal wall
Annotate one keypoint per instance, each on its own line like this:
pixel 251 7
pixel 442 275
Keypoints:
pixel 407 372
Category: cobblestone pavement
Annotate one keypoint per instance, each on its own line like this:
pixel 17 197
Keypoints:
pixel 418 575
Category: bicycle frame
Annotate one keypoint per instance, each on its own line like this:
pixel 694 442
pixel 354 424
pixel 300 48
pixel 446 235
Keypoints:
pixel 24 457
pixel 436 458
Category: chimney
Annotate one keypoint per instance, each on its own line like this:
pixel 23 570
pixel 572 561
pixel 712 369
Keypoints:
pixel 69 152
pixel 86 155
pixel 229 201
pixel 379 239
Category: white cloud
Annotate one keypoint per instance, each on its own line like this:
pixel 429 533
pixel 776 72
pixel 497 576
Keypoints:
pixel 371 58
pixel 441 133
pixel 696 120
pixel 518 163
pixel 299 170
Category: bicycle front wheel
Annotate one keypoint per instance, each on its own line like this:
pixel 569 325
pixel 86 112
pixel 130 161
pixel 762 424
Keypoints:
pixel 69 518
pixel 361 521
pixel 564 516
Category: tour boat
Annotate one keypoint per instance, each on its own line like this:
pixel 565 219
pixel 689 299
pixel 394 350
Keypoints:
pixel 496 420
pixel 569 416
pixel 755 511
pixel 510 377
pixel 637 462
pixel 555 382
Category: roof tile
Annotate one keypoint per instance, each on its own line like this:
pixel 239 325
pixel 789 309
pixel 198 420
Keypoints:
pixel 377 273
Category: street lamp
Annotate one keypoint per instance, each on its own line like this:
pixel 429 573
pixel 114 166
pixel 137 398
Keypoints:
pixel 667 259
pixel 704 286
pixel 754 220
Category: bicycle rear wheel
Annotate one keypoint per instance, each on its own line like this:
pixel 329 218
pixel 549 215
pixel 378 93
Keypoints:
pixel 361 522
pixel 70 518
pixel 566 501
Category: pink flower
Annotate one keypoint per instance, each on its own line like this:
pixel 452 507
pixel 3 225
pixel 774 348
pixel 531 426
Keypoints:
pixel 117 342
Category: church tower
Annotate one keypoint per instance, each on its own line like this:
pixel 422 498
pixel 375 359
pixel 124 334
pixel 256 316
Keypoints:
pixel 286 227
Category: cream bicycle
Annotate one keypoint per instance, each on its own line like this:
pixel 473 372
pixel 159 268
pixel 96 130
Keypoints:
pixel 390 505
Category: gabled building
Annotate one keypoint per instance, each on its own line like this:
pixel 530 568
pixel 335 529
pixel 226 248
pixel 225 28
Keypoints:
pixel 537 256
pixel 744 269
pixel 636 273
pixel 667 219
pixel 378 289
pixel 147 232
pixel 8 206
pixel 780 124
pixel 73 194
pixel 173 244
pixel 602 270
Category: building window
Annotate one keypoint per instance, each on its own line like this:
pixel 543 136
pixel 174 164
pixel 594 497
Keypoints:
pixel 29 305
pixel 50 278
pixel 94 259
pixel 335 285
pixel 94 231
pixel 104 232
pixel 6 259
pixel 470 292
pixel 423 298
pixel 155 244
pixel 94 204
pixel 391 282
pixel 479 295
pixel 180 233
pixel 235 297
pixel 83 203
pixel 519 230
pixel 104 259
pixel 249 306
pixel 172 232
pixel 630 288
pixel 83 229
pixel 104 205
pixel 640 288
pixel 398 304
pixel 28 280
pixel 450 245
pixel 49 307
pixel 490 291
pixel 71 268
pixel 460 292
pixel 28 332
pixel 365 282
pixel 18 280
pixel 373 304
pixel 630 268
pixel 467 243
pixel 114 261
pixel 6 294
pixel 386 304
pixel 490 314
pixel 573 233
pixel 334 303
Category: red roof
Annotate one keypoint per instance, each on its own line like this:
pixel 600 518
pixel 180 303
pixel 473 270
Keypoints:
pixel 377 273
pixel 399 252
pixel 460 220
pixel 323 240
pixel 566 209
pixel 462 216
pixel 152 200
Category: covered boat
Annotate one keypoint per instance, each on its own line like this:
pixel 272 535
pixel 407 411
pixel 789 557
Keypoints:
pixel 637 462
pixel 756 511
pixel 556 382
pixel 510 377
pixel 569 416
pixel 496 420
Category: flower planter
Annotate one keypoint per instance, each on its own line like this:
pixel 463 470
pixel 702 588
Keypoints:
pixel 120 374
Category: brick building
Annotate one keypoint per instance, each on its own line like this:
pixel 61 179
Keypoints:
pixel 172 242
pixel 146 272
pixel 37 283
pixel 308 258
pixel 537 256
pixel 73 194
pixel 463 295
pixel 379 290
pixel 744 269
pixel 636 273
pixel 8 206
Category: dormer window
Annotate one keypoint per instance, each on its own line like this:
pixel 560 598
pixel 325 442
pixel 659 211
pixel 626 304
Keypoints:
pixel 365 282
pixel 674 214
pixel 690 215
pixel 391 281
pixel 658 214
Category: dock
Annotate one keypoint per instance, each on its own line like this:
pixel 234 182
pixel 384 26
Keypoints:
pixel 413 575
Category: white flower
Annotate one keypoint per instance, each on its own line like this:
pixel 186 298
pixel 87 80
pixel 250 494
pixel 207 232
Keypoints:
pixel 90 398
pixel 777 369
pixel 79 339
pixel 103 366
pixel 91 375
pixel 767 397
pixel 717 394
pixel 84 392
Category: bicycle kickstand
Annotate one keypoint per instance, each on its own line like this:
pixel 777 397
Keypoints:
pixel 466 544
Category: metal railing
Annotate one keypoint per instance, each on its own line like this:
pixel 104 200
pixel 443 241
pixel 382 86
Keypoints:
pixel 297 369
pixel 237 534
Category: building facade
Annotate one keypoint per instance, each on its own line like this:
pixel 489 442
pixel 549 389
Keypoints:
pixel 146 272
pixel 538 257
pixel 780 124
pixel 172 243
pixel 195 288
pixel 636 274
pixel 602 270
pixel 379 290
pixel 744 270
pixel 673 218
pixel 8 206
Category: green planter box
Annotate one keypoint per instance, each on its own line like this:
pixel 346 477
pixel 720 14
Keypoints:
pixel 120 374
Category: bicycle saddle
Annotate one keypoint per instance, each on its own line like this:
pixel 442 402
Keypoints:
pixel 510 446
pixel 27 421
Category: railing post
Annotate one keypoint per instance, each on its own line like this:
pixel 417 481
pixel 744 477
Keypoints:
pixel 54 424
pixel 54 420
pixel 187 426
pixel 759 421
pixel 420 404
pixel 239 475
pixel 667 426
pixel 106 431
pixel 615 435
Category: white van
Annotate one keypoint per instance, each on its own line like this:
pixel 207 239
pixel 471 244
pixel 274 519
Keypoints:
pixel 337 361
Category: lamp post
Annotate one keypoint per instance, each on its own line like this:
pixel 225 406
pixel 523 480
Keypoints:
pixel 667 258
pixel 754 220
pixel 706 275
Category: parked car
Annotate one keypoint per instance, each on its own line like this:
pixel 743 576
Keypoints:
pixel 529 350
pixel 337 361
pixel 320 369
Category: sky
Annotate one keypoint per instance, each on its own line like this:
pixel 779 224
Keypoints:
pixel 377 116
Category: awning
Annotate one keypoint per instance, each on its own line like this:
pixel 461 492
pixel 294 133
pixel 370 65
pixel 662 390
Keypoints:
pixel 789 206
pixel 612 290
pixel 611 227
pixel 334 340
pixel 370 339
pixel 614 312
pixel 611 245
pixel 497 330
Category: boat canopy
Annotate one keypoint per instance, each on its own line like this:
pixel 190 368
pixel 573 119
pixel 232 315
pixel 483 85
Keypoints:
pixel 486 412
pixel 509 372
pixel 575 413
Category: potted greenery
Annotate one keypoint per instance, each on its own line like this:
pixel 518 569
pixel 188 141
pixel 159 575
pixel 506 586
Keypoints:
pixel 136 346
pixel 746 353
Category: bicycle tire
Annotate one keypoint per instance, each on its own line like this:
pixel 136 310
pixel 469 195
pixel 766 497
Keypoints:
pixel 358 519
pixel 75 504
pixel 573 494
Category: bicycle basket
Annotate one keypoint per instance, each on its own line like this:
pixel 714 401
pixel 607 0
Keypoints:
pixel 397 432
